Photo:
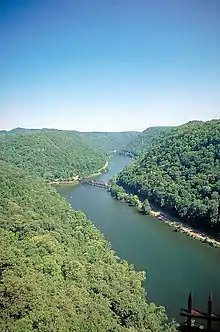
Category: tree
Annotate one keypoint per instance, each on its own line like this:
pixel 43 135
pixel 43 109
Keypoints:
pixel 146 207
pixel 52 154
pixel 181 172
pixel 58 273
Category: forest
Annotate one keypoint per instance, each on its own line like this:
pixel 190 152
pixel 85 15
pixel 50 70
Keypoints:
pixel 51 154
pixel 57 271
pixel 181 174
pixel 147 139
pixel 104 141
pixel 109 141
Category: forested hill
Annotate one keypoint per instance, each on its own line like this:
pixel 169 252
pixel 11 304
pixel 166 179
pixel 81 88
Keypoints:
pixel 182 174
pixel 51 155
pixel 146 139
pixel 58 273
pixel 104 141
pixel 109 141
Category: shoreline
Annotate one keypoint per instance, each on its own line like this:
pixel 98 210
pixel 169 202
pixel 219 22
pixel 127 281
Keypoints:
pixel 178 225
pixel 100 171
pixel 75 180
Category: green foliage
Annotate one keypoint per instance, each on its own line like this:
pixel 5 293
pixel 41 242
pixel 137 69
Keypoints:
pixel 117 192
pixel 57 272
pixel 146 207
pixel 134 200
pixel 146 139
pixel 120 194
pixel 51 155
pixel 104 141
pixel 181 173
pixel 109 141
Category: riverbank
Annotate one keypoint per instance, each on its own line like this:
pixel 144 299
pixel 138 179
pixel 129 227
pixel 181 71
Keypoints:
pixel 76 178
pixel 177 225
pixel 100 171
pixel 72 182
pixel 150 245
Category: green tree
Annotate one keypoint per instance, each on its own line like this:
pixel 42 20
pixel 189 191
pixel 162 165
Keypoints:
pixel 146 206
pixel 51 154
pixel 181 172
pixel 58 273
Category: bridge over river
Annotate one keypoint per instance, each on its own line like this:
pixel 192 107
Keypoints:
pixel 175 264
pixel 92 182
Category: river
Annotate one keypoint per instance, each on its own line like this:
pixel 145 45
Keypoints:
pixel 174 263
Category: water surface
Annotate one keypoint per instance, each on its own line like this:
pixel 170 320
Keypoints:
pixel 174 263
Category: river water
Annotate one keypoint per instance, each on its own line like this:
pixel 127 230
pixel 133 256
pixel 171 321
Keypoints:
pixel 174 263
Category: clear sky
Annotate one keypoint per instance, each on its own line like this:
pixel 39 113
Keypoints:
pixel 108 65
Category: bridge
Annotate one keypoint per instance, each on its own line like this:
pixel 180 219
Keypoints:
pixel 127 153
pixel 92 182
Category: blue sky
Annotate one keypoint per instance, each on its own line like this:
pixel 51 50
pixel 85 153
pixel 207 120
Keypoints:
pixel 108 65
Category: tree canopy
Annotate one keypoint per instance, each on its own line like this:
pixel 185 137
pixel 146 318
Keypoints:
pixel 57 272
pixel 109 141
pixel 51 154
pixel 104 141
pixel 181 173
pixel 146 139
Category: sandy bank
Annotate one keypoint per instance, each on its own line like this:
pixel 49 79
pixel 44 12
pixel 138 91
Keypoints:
pixel 100 171
pixel 76 178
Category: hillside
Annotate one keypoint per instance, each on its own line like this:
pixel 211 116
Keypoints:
pixel 109 141
pixel 182 174
pixel 51 155
pixel 146 139
pixel 104 141
pixel 20 130
pixel 58 273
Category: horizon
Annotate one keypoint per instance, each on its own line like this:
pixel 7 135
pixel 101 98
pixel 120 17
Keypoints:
pixel 108 67
pixel 108 131
pixel 105 131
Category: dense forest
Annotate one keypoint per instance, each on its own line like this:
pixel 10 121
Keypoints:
pixel 57 271
pixel 120 194
pixel 104 141
pixel 109 141
pixel 182 174
pixel 147 139
pixel 51 155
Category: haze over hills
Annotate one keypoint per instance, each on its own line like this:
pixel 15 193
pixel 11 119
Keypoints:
pixel 126 141
pixel 109 141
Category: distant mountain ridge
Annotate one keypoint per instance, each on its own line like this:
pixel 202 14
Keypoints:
pixel 105 141
pixel 127 141
pixel 51 154
pixel 20 130
pixel 147 139
pixel 109 141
